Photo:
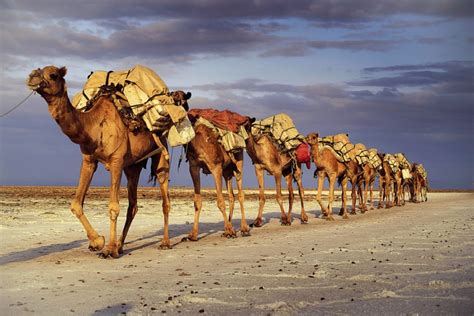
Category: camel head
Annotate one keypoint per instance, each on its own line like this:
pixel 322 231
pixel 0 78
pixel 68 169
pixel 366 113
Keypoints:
pixel 312 138
pixel 181 98
pixel 47 81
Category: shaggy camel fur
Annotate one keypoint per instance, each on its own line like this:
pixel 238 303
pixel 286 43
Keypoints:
pixel 206 153
pixel 386 180
pixel 266 157
pixel 328 166
pixel 103 137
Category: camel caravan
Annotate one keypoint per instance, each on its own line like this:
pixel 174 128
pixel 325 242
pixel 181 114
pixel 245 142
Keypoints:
pixel 122 119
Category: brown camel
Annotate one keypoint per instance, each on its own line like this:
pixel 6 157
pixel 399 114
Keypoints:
pixel 206 153
pixel 103 137
pixel 353 172
pixel 387 177
pixel 366 182
pixel 328 166
pixel 418 184
pixel 266 157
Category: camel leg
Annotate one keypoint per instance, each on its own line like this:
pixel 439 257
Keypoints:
pixel 332 182
pixel 229 231
pixel 244 227
pixel 114 208
pixel 324 210
pixel 163 178
pixel 133 175
pixel 88 167
pixel 194 171
pixel 381 192
pixel 230 193
pixel 299 182
pixel 284 218
pixel 343 212
pixel 258 222
pixel 353 196
pixel 388 193
pixel 371 188
pixel 291 195
pixel 363 195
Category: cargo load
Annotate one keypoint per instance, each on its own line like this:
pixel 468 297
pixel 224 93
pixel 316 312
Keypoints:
pixel 140 93
pixel 374 160
pixel 404 164
pixel 228 125
pixel 282 129
pixel 392 162
pixel 283 132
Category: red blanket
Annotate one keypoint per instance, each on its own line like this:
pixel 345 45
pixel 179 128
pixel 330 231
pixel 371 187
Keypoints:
pixel 226 119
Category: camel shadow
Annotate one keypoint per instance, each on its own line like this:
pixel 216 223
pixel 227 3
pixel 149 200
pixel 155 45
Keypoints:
pixel 34 253
pixel 179 232
pixel 117 309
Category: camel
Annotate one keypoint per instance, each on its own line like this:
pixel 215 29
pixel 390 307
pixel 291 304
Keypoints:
pixel 400 181
pixel 328 166
pixel 386 179
pixel 206 153
pixel 266 157
pixel 418 185
pixel 365 183
pixel 103 137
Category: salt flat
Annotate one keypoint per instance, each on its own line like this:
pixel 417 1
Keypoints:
pixel 418 258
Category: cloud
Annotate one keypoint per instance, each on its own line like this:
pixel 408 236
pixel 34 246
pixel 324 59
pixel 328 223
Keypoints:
pixel 326 10
pixel 448 77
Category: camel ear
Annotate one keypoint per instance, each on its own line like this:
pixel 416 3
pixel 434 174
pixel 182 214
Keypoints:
pixel 252 120
pixel 62 72
pixel 188 95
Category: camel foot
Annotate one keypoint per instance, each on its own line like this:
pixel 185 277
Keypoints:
pixel 388 206
pixel 345 216
pixel 353 212
pixel 258 222
pixel 191 237
pixel 304 218
pixel 229 234
pixel 245 233
pixel 379 206
pixel 97 244
pixel 285 221
pixel 110 251
pixel 328 217
pixel 341 212
pixel 165 245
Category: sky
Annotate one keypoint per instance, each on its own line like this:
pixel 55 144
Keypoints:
pixel 395 75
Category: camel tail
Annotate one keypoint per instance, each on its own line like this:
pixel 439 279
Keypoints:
pixel 152 178
pixel 339 179
pixel 153 170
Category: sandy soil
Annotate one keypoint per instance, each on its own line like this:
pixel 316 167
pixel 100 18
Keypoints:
pixel 406 260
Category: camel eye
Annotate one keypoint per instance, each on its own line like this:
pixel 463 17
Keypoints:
pixel 53 77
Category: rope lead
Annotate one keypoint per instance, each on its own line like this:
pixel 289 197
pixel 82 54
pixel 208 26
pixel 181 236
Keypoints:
pixel 16 106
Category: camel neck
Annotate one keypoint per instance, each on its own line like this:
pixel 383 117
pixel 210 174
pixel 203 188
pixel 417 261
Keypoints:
pixel 315 153
pixel 251 151
pixel 67 117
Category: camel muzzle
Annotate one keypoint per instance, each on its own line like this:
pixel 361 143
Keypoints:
pixel 35 80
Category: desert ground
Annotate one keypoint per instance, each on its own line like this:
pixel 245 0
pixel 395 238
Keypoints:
pixel 415 259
